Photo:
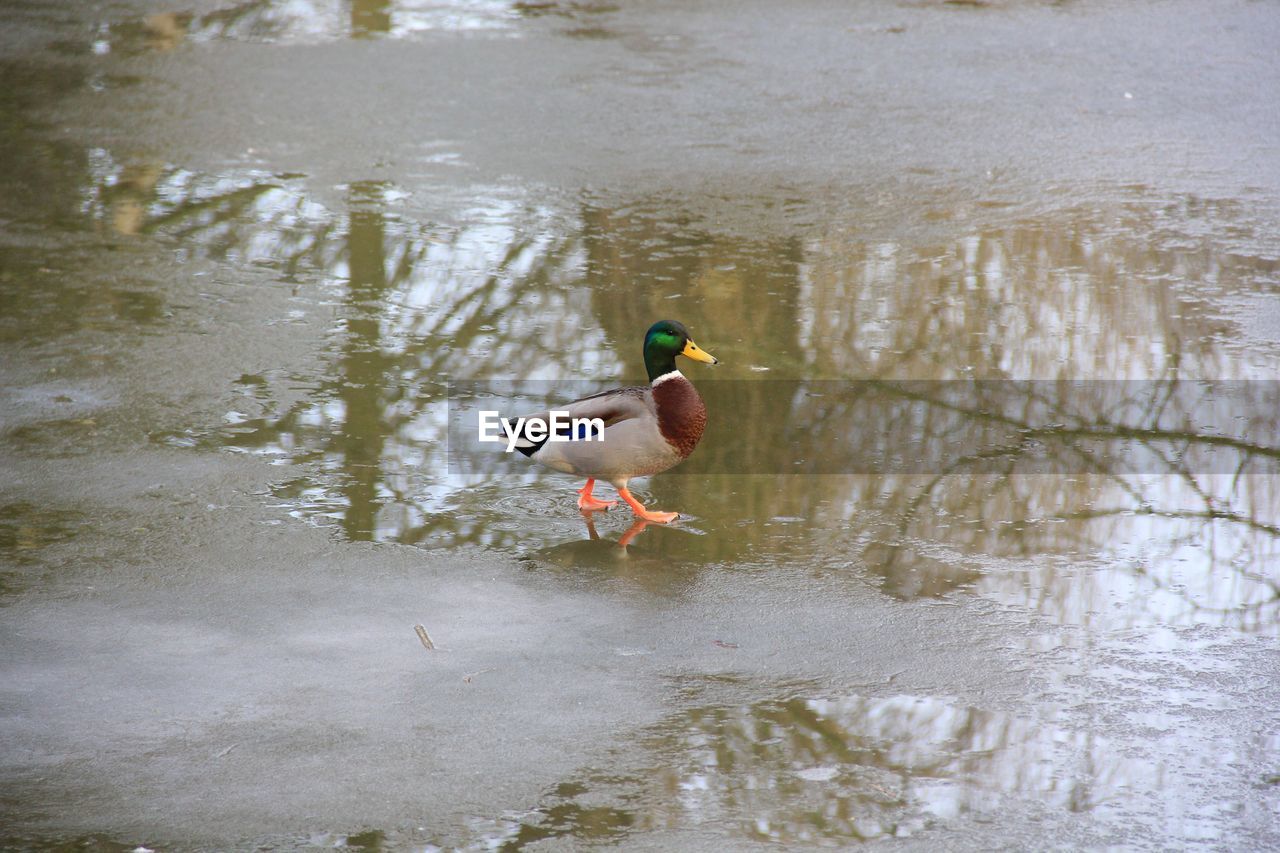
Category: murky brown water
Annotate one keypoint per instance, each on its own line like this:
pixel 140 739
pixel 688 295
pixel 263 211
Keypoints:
pixel 982 546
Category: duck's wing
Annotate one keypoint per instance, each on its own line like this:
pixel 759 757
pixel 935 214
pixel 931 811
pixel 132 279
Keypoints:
pixel 614 406
pixel 608 408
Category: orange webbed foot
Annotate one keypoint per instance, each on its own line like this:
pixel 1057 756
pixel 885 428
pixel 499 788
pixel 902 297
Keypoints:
pixel 587 503
pixel 647 514
pixel 658 517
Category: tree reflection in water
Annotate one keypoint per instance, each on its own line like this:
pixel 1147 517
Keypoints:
pixel 293 21
pixel 831 770
pixel 521 290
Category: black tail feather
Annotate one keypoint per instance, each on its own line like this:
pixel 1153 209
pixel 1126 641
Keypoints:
pixel 530 449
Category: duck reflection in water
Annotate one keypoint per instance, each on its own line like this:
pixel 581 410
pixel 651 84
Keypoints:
pixel 636 528
pixel 598 552
pixel 604 557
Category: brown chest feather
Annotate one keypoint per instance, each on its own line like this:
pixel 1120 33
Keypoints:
pixel 681 414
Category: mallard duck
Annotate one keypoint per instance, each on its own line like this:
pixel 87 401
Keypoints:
pixel 646 429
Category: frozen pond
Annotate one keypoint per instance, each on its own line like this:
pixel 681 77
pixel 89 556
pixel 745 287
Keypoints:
pixel 981 548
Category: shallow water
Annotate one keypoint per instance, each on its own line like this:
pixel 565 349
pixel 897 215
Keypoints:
pixel 981 548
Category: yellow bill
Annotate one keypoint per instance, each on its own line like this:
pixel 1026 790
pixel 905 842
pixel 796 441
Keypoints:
pixel 692 351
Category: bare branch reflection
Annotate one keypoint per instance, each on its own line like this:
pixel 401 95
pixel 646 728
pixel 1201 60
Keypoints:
pixel 815 770
pixel 523 290
pixel 286 21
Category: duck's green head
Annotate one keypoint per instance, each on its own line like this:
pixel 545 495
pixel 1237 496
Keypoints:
pixel 665 340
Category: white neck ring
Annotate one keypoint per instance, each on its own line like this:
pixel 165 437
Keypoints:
pixel 664 377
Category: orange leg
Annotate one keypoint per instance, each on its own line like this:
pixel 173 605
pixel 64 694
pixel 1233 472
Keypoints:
pixel 641 512
pixel 587 503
